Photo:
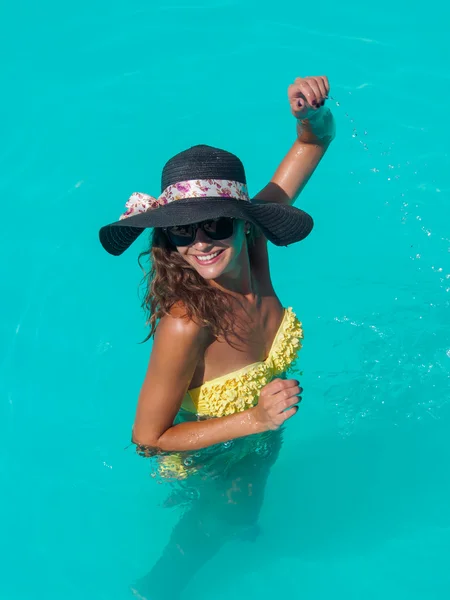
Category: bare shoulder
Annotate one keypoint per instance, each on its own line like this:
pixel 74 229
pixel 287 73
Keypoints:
pixel 178 346
pixel 177 328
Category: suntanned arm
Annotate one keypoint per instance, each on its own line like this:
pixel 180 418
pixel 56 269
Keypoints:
pixel 177 349
pixel 313 138
pixel 315 132
pixel 179 345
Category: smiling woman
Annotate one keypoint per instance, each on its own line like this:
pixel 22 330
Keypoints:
pixel 209 280
pixel 216 248
pixel 223 342
pixel 214 243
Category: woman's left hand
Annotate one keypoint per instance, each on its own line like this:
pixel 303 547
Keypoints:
pixel 307 95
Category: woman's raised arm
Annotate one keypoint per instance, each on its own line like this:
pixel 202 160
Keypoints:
pixel 315 131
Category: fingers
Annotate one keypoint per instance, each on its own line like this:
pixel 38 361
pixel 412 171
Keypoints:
pixel 284 416
pixel 280 395
pixel 312 91
pixel 278 385
pixel 289 413
pixel 297 99
pixel 287 398
pixel 322 86
pixel 326 85
pixel 278 402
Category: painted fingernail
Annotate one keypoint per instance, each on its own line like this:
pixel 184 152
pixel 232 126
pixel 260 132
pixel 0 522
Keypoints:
pixel 314 102
pixel 299 103
pixel 322 103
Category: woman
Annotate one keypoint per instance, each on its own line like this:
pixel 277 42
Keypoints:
pixel 222 340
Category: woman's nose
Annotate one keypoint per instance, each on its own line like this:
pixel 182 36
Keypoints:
pixel 202 239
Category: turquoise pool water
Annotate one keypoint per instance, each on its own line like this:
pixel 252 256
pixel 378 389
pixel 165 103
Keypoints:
pixel 96 97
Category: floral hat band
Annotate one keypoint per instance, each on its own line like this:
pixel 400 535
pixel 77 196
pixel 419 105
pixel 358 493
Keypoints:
pixel 195 188
pixel 210 184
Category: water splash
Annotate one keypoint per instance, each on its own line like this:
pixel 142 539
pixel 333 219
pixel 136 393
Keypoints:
pixel 351 121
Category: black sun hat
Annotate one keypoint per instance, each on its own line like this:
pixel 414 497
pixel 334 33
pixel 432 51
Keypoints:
pixel 199 184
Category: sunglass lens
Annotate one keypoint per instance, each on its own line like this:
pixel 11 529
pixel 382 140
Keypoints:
pixel 219 229
pixel 216 229
pixel 181 235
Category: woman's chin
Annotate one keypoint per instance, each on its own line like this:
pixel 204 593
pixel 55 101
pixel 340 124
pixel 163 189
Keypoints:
pixel 209 272
pixel 213 270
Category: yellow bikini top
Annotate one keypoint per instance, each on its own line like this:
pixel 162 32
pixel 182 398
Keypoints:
pixel 240 389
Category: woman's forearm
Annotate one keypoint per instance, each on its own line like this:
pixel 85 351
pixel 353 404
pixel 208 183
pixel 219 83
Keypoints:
pixel 195 435
pixel 313 138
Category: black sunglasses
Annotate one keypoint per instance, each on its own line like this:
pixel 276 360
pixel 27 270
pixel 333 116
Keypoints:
pixel 215 229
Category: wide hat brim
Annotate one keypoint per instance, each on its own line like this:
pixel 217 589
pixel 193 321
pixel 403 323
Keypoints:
pixel 281 224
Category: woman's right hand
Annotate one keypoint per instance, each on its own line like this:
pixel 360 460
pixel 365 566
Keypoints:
pixel 277 403
pixel 307 95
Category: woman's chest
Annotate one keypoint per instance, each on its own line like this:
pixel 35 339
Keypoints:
pixel 251 342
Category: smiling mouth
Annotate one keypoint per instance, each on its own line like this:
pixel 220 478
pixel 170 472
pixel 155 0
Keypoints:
pixel 208 259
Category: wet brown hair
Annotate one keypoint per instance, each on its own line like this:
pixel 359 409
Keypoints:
pixel 170 281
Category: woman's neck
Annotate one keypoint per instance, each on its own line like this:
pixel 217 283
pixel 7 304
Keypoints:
pixel 239 282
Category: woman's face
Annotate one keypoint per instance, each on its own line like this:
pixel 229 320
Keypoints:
pixel 213 258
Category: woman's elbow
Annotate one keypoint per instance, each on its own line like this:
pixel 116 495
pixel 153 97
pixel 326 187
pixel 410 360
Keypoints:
pixel 147 442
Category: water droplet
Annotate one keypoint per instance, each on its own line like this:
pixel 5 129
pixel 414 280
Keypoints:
pixel 337 104
pixel 228 444
pixel 354 134
pixel 188 461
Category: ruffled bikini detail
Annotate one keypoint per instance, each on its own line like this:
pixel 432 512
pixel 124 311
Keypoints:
pixel 240 390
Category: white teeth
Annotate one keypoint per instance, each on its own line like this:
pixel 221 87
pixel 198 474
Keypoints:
pixel 208 256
